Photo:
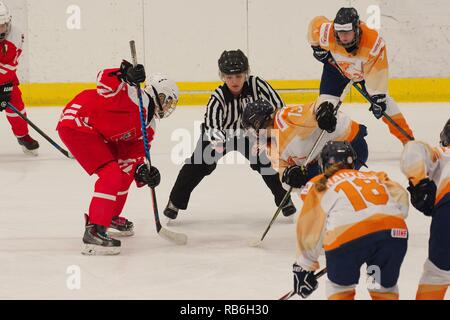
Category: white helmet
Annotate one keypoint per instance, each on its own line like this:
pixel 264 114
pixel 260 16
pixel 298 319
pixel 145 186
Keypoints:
pixel 5 19
pixel 167 91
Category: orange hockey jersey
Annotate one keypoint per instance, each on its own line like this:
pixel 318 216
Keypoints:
pixel 419 160
pixel 296 131
pixel 354 205
pixel 370 62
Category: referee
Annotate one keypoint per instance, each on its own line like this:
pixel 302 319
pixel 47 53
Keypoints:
pixel 222 132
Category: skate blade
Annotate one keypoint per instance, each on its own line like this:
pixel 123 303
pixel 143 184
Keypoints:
pixel 33 153
pixel 94 250
pixel 116 233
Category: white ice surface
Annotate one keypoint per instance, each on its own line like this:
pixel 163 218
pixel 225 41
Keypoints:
pixel 42 201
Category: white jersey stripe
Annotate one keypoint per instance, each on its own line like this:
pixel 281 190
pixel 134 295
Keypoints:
pixel 105 196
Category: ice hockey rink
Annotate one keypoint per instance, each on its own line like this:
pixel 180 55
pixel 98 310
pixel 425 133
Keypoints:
pixel 42 201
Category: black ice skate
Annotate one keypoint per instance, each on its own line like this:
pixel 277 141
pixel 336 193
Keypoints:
pixel 29 145
pixel 171 211
pixel 97 242
pixel 289 208
pixel 121 227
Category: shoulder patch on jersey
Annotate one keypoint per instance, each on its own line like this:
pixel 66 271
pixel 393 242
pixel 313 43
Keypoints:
pixel 376 49
pixel 309 186
pixel 324 39
pixel 304 191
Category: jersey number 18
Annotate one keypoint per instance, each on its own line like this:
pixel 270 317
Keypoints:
pixel 362 191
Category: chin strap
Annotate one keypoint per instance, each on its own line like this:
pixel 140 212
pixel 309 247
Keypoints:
pixel 151 108
pixel 158 102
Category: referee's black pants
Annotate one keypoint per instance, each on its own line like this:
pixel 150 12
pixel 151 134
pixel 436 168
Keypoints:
pixel 204 160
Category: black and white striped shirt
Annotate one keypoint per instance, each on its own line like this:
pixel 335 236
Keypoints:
pixel 224 111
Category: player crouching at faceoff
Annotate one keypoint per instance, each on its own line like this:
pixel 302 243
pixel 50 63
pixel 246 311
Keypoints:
pixel 428 172
pixel 356 217
pixel 291 132
pixel 102 129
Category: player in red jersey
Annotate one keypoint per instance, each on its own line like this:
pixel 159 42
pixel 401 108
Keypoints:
pixel 102 129
pixel 11 41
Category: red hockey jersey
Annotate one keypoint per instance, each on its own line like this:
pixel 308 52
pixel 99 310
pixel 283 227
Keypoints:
pixel 10 51
pixel 112 111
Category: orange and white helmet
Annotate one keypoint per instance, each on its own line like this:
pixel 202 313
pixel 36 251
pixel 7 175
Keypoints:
pixel 5 19
pixel 159 85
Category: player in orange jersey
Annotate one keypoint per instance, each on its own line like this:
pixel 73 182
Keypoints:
pixel 357 218
pixel 428 172
pixel 361 54
pixel 290 133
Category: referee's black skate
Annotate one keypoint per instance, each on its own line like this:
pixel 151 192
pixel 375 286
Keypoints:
pixel 120 227
pixel 171 211
pixel 289 208
pixel 97 242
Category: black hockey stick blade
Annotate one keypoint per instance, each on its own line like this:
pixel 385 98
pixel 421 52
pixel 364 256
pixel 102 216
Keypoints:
pixel 172 236
pixel 45 136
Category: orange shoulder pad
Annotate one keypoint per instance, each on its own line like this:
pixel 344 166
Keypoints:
pixel 316 30
pixel 371 42
pixel 309 186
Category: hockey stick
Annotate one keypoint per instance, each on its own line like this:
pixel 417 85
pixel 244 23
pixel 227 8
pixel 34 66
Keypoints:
pixel 258 242
pixel 363 91
pixel 178 238
pixel 289 295
pixel 53 143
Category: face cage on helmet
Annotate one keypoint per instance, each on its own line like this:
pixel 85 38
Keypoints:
pixel 168 105
pixel 444 141
pixel 352 45
pixel 266 123
pixel 259 124
pixel 444 137
pixel 350 163
pixel 5 34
